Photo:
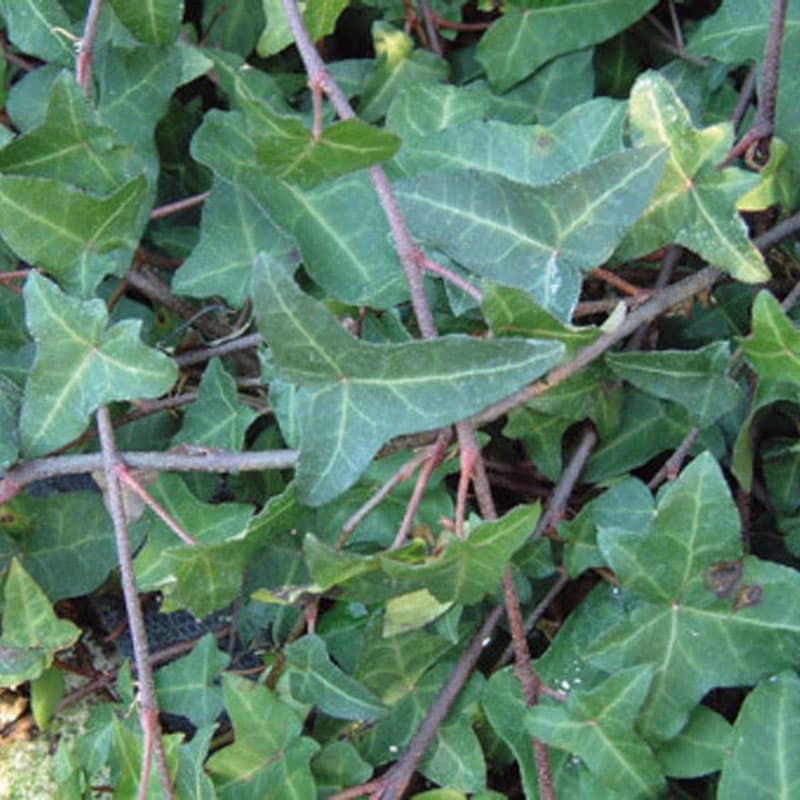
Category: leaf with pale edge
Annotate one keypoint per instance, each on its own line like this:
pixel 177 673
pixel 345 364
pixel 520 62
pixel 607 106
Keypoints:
pixel 773 348
pixel 269 760
pixel 355 396
pixel 80 365
pixel 598 725
pixel 315 679
pixel 695 379
pixel 537 238
pixel 764 759
pixel 695 203
pixel 525 38
pixel 696 626
pixel 31 630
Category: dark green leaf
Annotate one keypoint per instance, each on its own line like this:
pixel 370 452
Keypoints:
pixel 540 238
pixel 762 763
pixel 38 27
pixel 697 379
pixel 525 38
pixel 773 348
pixel 700 748
pixel 415 386
pixel 217 419
pixel 80 365
pixel 153 21
pixel 267 761
pixel 315 679
pixel 187 686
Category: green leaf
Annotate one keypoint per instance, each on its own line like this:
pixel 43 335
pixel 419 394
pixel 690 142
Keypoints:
pixel 344 237
pixel 58 226
pixel 597 725
pixel 152 21
pixel 466 570
pixel 319 15
pixel 70 145
pixel 392 666
pixel 47 691
pixel 525 38
pixel 10 401
pixel 217 419
pixel 524 153
pixel 504 706
pixel 316 680
pixel 187 685
pixel 80 365
pixel 267 761
pixel 407 612
pixel 540 239
pixel 700 748
pixel 696 379
pixel 737 34
pixel 398 66
pixel 37 27
pixel 31 630
pixel 205 577
pixel 289 151
pixel 344 381
pixel 700 613
pixel 695 203
pixel 338 766
pixel 66 541
pixel 762 763
pixel 773 348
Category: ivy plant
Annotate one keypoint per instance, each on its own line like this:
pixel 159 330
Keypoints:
pixel 409 390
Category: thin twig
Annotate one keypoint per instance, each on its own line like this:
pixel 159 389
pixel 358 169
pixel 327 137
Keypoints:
pixel 746 94
pixel 148 703
pixel 20 475
pixel 433 459
pixel 179 205
pixel 443 272
pixel 83 63
pixel 191 357
pixel 760 133
pixel 429 20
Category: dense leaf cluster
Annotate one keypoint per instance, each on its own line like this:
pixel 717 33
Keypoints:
pixel 558 166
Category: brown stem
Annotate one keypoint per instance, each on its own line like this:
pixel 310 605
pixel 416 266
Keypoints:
pixel 179 205
pixel 148 710
pixel 83 63
pixel 429 20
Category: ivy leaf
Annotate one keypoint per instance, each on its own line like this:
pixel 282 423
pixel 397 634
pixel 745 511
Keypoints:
pixel 343 236
pixel 699 612
pixel 737 34
pixel 58 226
pixel 70 145
pixel 700 748
pixel 266 762
pixel 537 238
pixel 315 679
pixel 64 559
pixel 597 725
pixel 80 365
pixel 467 570
pixel 289 152
pixel 31 630
pixel 217 419
pixel 532 154
pixel 344 382
pixel 155 21
pixel 37 26
pixel 762 759
pixel 10 401
pixel 773 348
pixel 696 379
pixel 525 38
pixel 187 685
pixel 695 203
